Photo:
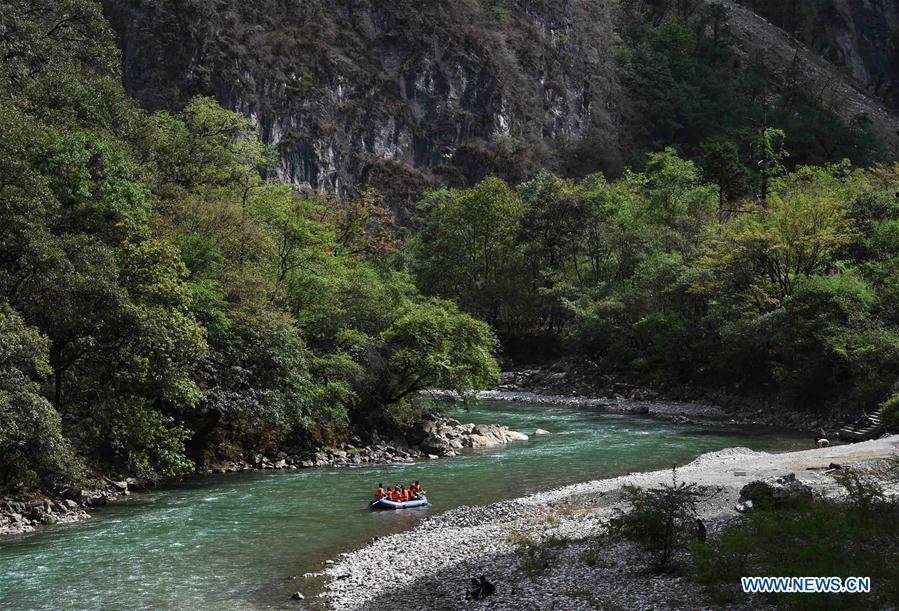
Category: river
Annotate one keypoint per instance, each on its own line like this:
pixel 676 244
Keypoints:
pixel 236 541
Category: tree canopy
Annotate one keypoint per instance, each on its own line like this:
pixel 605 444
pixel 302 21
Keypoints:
pixel 164 297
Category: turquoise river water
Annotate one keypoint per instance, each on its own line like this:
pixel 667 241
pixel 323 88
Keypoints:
pixel 234 541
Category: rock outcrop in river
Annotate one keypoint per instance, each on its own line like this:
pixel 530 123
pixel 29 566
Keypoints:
pixel 443 436
pixel 431 437
pixel 26 513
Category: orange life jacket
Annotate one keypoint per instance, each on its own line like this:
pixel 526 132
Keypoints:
pixel 416 488
pixel 394 496
pixel 380 493
pixel 406 495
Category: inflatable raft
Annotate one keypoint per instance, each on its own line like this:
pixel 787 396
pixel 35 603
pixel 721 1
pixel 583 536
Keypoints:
pixel 388 504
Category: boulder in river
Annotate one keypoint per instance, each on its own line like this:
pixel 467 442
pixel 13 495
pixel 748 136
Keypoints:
pixel 120 487
pixel 435 444
pixel 488 435
pixel 541 432
pixel 420 431
pixel 514 435
pixel 443 436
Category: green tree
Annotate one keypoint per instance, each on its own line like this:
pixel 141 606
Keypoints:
pixel 33 451
pixel 722 166
pixel 677 202
pixel 468 250
pixel 770 154
pixel 756 258
pixel 433 345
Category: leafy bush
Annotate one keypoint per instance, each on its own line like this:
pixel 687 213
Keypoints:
pixel 890 413
pixel 817 538
pixel 864 492
pixel 659 519
pixel 33 451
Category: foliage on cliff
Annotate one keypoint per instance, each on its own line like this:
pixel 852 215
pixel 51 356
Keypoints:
pixel 159 293
pixel 691 88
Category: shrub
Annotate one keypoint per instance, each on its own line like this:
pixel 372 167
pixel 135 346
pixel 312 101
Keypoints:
pixel 535 560
pixel 593 555
pixel 890 413
pixel 659 519
pixel 816 538
pixel 865 493
pixel 535 557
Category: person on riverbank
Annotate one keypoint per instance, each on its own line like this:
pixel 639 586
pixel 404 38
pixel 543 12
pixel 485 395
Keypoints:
pixel 479 588
pixel 821 440
pixel 862 421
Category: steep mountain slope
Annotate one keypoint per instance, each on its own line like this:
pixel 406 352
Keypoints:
pixel 391 93
pixel 401 96
pixel 798 67
pixel 862 38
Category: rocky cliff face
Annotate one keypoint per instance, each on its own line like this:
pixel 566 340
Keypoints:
pixel 403 95
pixel 860 37
pixel 394 94
pixel 795 65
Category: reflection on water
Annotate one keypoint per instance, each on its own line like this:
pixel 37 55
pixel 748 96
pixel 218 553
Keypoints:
pixel 235 540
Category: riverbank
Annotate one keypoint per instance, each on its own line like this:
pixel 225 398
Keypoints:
pixel 579 570
pixel 26 512
pixel 579 383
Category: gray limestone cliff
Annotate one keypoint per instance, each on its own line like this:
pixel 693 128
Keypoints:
pixel 405 95
pixel 398 95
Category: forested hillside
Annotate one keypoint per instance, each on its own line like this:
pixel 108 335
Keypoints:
pixel 788 292
pixel 171 293
pixel 160 298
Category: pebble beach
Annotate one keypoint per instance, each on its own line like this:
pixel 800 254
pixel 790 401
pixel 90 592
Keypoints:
pixel 584 570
